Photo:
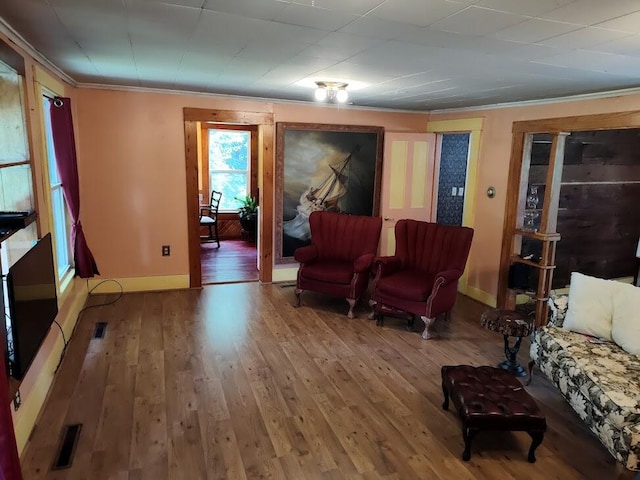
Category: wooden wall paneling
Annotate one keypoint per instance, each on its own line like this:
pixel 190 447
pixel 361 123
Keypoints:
pixel 589 213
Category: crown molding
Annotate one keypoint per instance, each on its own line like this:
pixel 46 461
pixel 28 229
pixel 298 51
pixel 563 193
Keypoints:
pixel 168 91
pixel 544 101
pixel 24 45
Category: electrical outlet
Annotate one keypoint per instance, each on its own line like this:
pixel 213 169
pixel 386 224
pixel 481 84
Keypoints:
pixel 17 400
pixel 166 250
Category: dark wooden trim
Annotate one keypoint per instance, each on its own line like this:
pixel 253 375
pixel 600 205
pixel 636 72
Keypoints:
pixel 549 219
pixel 227 116
pixel 263 124
pixel 513 200
pixel 266 139
pixel 204 159
pixel 604 121
pixel 253 169
pixel 15 164
pixel 193 205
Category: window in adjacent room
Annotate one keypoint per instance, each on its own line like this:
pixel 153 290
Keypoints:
pixel 229 165
pixel 60 215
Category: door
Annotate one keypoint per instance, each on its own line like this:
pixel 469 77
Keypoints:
pixel 452 178
pixel 407 182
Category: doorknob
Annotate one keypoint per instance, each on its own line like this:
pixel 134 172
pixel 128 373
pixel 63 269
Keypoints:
pixel 388 219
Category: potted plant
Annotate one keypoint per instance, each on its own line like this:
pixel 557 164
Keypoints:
pixel 248 213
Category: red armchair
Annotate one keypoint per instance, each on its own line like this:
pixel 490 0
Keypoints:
pixel 421 279
pixel 338 261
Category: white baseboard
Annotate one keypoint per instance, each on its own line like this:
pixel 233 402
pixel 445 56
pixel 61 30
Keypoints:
pixel 139 284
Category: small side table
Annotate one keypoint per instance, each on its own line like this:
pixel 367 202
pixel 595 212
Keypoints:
pixel 509 323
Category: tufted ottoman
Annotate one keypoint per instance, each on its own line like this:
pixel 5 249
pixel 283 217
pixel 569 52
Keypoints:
pixel 489 398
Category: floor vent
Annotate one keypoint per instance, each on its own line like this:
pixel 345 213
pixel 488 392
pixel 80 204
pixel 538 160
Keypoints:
pixel 287 285
pixel 100 330
pixel 64 459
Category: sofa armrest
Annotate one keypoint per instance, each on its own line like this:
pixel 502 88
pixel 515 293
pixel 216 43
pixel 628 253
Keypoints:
pixel 558 304
pixel 306 254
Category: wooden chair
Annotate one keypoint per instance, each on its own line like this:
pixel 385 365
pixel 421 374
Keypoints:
pixel 209 218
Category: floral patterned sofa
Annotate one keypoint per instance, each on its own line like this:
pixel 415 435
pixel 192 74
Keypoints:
pixel 599 379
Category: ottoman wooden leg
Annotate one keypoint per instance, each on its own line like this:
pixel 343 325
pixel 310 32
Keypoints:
pixel 445 404
pixel 468 434
pixel 536 440
pixel 530 372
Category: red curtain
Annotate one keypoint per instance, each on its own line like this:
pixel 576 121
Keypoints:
pixel 65 148
pixel 9 461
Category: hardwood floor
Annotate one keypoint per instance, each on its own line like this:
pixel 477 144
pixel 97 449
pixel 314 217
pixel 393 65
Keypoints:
pixel 234 261
pixel 233 382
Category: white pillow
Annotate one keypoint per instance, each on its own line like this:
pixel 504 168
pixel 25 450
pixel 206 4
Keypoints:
pixel 590 305
pixel 626 318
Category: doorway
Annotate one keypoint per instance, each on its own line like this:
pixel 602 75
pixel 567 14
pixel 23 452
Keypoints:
pixel 452 177
pixel 229 166
pixel 193 120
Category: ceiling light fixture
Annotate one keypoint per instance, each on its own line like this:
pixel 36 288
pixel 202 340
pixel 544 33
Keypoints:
pixel 331 91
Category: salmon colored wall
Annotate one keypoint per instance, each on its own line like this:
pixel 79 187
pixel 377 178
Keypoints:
pixel 495 153
pixel 132 170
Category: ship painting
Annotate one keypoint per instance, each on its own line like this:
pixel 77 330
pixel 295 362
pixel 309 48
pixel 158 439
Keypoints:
pixel 323 168
pixel 324 197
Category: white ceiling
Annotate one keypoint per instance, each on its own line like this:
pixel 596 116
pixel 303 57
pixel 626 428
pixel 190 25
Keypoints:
pixel 404 54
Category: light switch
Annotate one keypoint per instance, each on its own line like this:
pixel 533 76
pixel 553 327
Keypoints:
pixel 454 191
pixel 460 191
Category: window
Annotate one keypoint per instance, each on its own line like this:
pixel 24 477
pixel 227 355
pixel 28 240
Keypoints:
pixel 229 165
pixel 60 215
pixel 16 188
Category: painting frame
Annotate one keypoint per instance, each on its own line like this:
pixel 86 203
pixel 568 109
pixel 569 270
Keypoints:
pixel 362 143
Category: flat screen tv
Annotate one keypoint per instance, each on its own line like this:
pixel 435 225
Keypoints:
pixel 33 304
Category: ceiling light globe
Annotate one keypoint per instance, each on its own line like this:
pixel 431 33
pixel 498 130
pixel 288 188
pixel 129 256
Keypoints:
pixel 342 96
pixel 320 94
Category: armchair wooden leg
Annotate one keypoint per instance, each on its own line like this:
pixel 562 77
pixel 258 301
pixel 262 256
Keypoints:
pixel 352 303
pixel 428 322
pixel 372 314
pixel 297 292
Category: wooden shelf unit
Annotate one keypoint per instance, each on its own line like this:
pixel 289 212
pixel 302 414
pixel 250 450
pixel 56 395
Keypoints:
pixel 546 234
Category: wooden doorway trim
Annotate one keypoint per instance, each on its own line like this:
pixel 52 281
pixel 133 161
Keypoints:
pixel 522 132
pixel 264 122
